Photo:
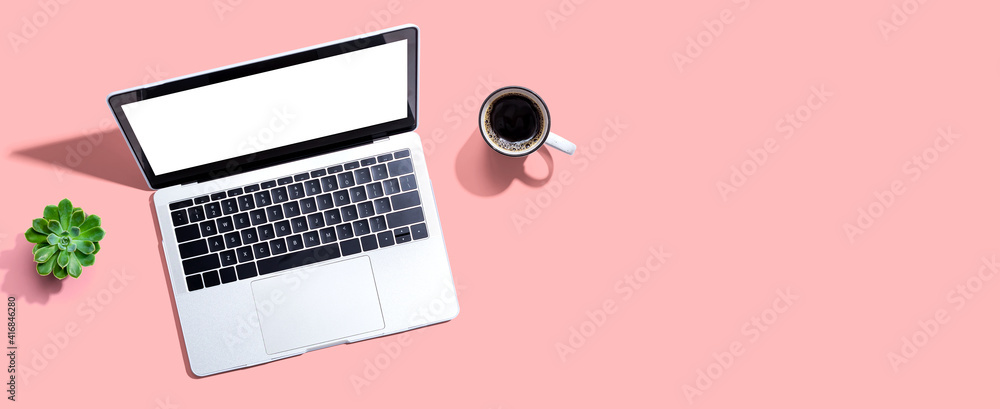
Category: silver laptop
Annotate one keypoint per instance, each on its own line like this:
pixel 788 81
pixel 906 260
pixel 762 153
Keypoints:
pixel 293 200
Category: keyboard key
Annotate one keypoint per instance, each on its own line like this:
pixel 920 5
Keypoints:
pixel 245 271
pixel 218 195
pixel 352 165
pixel 317 173
pixel 295 191
pixel 262 198
pixel 341 197
pixel 315 221
pixel 249 235
pixel 216 243
pixel 418 231
pixel 179 217
pixel 234 192
pixel 358 194
pixel 324 201
pixel 208 229
pixel 228 274
pixel 308 205
pixel 369 242
pixel 361 227
pixel 246 202
pixel 334 169
pixel 408 182
pixel 201 199
pixel 312 187
pixel 349 213
pixel 328 235
pixel 291 209
pixel 374 190
pixel 367 161
pixel 278 246
pixel 232 240
pixel 282 228
pixel 194 282
pixel 285 181
pixel 401 154
pixel 402 234
pixel 265 232
pixel 385 158
pixel 362 176
pixel 199 264
pixel 400 167
pixel 350 246
pixel 366 210
pixel 181 204
pixel 244 254
pixel 378 223
pixel 301 176
pixel 329 183
pixel 228 257
pixel 213 210
pixel 391 186
pixel 279 195
pixel 345 179
pixel 299 259
pixel 187 233
pixel 382 206
pixel 229 206
pixel 211 278
pixel 261 250
pixel 193 248
pixel 310 238
pixel 252 188
pixel 385 239
pixel 299 225
pixel 196 214
pixel 379 172
pixel 258 217
pixel 241 221
pixel 294 242
pixel 405 200
pixel 274 213
pixel 344 231
pixel 269 184
pixel 332 217
pixel 405 217
pixel 224 225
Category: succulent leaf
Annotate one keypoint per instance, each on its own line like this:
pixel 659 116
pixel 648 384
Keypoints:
pixel 71 248
pixel 43 254
pixel 97 247
pixel 74 231
pixel 40 225
pixel 86 260
pixel 59 272
pixel 95 234
pixel 62 259
pixel 46 267
pixel 55 227
pixel 74 268
pixel 38 246
pixel 33 236
pixel 91 222
pixel 76 218
pixel 51 212
pixel 65 211
pixel 52 239
pixel 84 246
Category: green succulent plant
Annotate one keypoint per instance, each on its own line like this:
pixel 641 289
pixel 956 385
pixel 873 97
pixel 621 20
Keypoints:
pixel 66 240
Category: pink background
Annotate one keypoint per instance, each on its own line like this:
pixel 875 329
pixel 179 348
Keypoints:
pixel 654 184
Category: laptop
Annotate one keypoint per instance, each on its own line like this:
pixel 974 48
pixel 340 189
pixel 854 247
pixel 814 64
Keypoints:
pixel 293 200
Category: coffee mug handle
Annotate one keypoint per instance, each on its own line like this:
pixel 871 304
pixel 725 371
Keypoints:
pixel 560 143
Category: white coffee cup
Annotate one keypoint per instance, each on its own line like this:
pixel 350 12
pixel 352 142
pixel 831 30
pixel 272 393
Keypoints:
pixel 515 121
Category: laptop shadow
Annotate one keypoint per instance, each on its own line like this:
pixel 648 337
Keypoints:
pixel 485 172
pixel 103 154
pixel 20 278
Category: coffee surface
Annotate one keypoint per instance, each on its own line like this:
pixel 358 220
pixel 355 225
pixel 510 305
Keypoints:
pixel 515 118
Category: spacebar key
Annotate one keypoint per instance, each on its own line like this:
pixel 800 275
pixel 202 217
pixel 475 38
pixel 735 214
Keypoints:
pixel 298 258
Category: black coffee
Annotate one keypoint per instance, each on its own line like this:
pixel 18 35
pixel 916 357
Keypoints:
pixel 515 118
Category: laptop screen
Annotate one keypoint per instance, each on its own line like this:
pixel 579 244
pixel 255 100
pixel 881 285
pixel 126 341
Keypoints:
pixel 273 110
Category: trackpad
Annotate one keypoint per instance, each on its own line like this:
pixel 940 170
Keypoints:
pixel 315 305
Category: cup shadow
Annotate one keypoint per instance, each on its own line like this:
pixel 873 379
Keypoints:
pixel 102 154
pixel 20 278
pixel 484 172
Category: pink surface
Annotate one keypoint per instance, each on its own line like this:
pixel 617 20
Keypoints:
pixel 819 108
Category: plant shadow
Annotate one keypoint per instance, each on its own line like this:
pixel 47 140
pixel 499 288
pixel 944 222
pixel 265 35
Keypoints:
pixel 103 154
pixel 20 278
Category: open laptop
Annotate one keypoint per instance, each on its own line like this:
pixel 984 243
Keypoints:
pixel 293 200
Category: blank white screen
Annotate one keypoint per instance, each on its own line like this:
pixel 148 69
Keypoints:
pixel 272 109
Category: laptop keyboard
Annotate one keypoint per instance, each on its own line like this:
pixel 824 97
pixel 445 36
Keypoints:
pixel 298 220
